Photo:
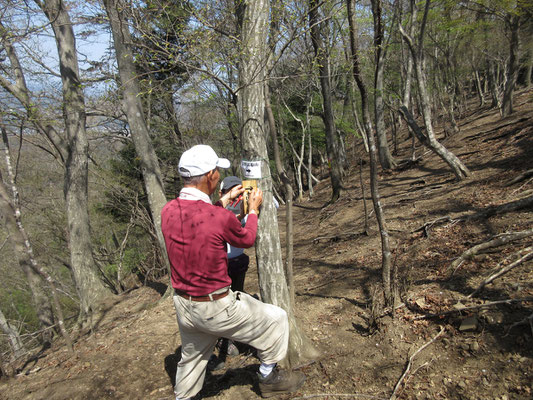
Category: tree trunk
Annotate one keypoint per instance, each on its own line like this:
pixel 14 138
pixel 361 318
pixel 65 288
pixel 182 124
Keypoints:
pixel 529 64
pixel 513 66
pixel 11 213
pixel 252 74
pixel 86 274
pixel 479 87
pixel 13 337
pixel 32 270
pixel 458 168
pixel 385 158
pixel 332 143
pixel 134 112
pixel 380 216
pixel 289 242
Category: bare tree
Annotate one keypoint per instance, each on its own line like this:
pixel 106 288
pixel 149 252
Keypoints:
pixel 380 49
pixel 34 273
pixel 74 150
pixel 458 168
pixel 380 215
pixel 332 141
pixel 134 111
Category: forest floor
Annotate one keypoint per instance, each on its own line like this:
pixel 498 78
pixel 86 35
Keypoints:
pixel 440 344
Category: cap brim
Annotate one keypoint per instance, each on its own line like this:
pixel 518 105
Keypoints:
pixel 223 163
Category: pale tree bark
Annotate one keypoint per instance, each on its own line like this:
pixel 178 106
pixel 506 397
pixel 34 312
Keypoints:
pixel 13 337
pixel 386 259
pixel 33 272
pixel 134 112
pixel 458 168
pixel 408 80
pixel 86 274
pixel 252 74
pixel 69 151
pixel 513 21
pixel 385 157
pixel 529 63
pixel 332 142
pixel 300 156
pixel 289 194
pixel 10 209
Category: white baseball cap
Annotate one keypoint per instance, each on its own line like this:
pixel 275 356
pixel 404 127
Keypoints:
pixel 199 160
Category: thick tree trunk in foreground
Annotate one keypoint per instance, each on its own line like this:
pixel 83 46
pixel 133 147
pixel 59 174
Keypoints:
pixel 134 112
pixel 252 73
pixel 86 275
pixel 380 215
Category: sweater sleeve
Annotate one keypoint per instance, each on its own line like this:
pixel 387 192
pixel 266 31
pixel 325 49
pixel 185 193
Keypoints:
pixel 239 236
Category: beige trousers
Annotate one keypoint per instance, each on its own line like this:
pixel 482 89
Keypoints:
pixel 239 317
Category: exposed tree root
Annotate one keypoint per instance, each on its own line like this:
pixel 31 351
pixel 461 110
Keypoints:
pixel 506 269
pixel 473 307
pixel 496 241
pixel 523 176
pixel 488 212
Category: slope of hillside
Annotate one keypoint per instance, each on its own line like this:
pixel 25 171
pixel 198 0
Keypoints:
pixel 439 345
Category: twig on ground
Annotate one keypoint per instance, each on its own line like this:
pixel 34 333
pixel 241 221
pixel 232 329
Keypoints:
pixel 488 212
pixel 474 307
pixel 299 293
pixel 427 225
pixel 521 177
pixel 496 241
pixel 526 320
pixel 337 237
pixel 416 370
pixel 409 363
pixel 349 395
pixel 506 269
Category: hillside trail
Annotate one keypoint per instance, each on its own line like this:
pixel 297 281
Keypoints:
pixel 479 354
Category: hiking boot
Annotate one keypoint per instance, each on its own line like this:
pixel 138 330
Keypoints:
pixel 280 381
pixel 214 363
pixel 228 347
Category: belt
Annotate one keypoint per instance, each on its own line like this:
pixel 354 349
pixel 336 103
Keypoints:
pixel 209 297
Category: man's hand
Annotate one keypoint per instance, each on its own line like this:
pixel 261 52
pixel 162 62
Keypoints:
pixel 232 194
pixel 255 199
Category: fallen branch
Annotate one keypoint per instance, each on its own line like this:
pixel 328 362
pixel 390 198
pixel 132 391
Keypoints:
pixel 427 225
pixel 488 212
pixel 474 307
pixel 349 395
pixel 521 177
pixel 410 362
pixel 337 237
pixel 504 208
pixel 526 320
pixel 506 269
pixel 496 241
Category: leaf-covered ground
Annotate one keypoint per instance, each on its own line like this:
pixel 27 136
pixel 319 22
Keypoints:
pixel 439 344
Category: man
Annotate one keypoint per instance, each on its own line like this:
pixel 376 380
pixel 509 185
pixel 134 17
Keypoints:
pixel 196 233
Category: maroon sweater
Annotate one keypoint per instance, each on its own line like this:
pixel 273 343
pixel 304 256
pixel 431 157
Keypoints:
pixel 196 234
